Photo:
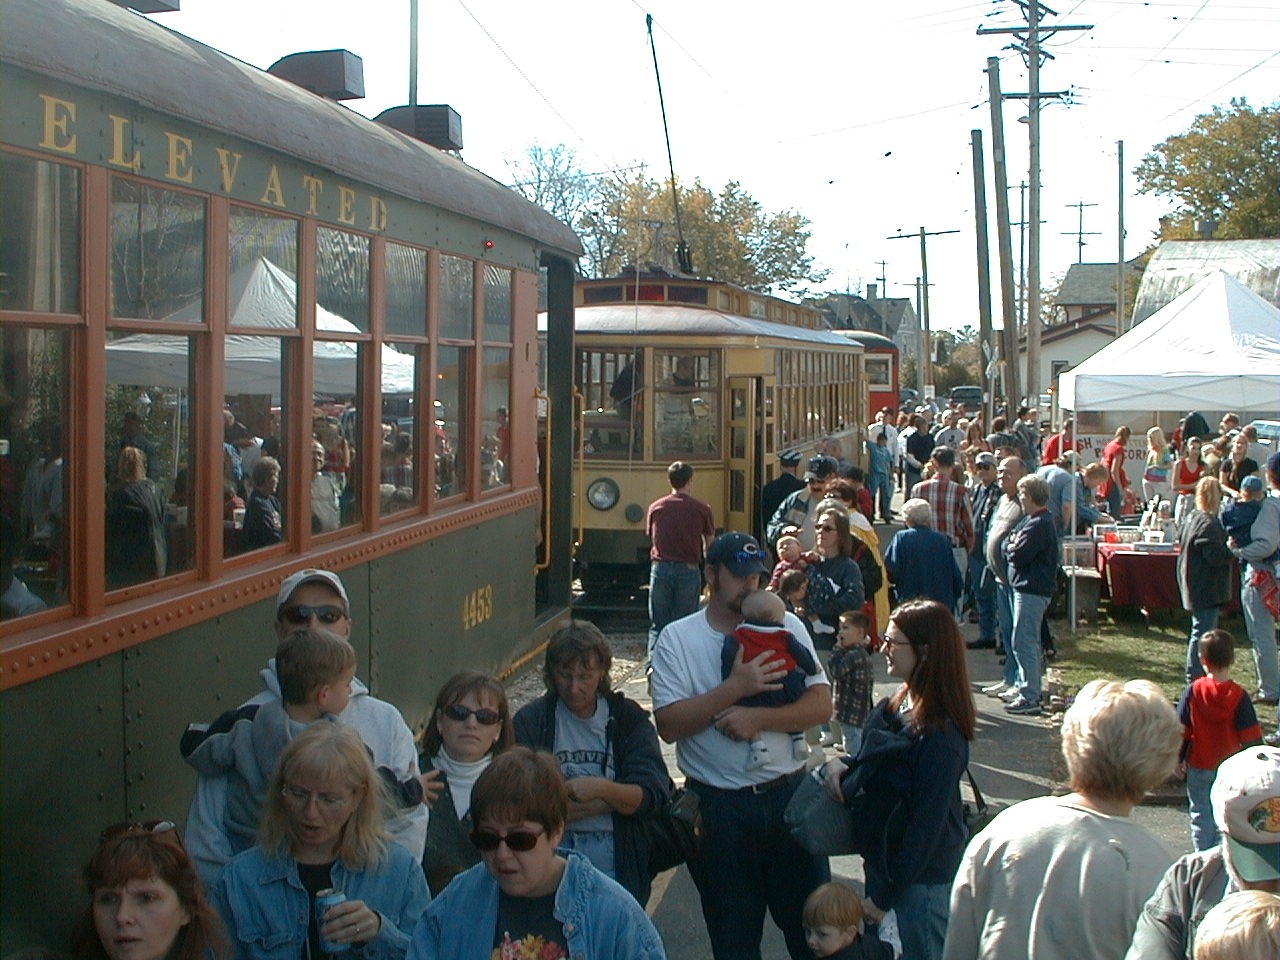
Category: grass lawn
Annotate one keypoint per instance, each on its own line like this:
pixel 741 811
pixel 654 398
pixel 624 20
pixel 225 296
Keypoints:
pixel 1130 647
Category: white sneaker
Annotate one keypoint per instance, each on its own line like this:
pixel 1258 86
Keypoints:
pixel 828 739
pixel 1011 695
pixel 996 689
pixel 759 755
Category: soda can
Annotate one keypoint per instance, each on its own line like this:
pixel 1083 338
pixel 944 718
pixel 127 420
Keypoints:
pixel 324 900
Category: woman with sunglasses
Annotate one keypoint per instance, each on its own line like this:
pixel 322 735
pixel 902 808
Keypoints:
pixel 322 829
pixel 146 901
pixel 919 754
pixel 527 899
pixel 608 752
pixel 835 582
pixel 468 727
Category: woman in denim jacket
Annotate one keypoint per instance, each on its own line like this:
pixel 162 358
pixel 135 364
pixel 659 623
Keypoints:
pixel 524 899
pixel 322 829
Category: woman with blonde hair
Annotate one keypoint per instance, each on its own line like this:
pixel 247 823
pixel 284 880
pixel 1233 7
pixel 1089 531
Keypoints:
pixel 1204 568
pixel 1155 477
pixel 1244 926
pixel 322 829
pixel 136 548
pixel 1068 876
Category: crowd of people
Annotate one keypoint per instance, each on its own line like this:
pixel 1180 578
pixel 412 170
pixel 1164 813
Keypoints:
pixel 321 826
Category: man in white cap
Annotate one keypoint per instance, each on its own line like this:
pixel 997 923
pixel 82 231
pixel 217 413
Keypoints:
pixel 1246 805
pixel 308 599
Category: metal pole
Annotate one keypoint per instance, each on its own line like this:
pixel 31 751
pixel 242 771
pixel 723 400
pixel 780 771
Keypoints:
pixel 1120 271
pixel 984 275
pixel 927 340
pixel 413 53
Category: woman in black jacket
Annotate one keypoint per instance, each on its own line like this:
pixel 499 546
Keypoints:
pixel 835 582
pixel 1204 568
pixel 608 749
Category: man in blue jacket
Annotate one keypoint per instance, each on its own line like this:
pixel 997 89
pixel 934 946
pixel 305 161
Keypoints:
pixel 1032 553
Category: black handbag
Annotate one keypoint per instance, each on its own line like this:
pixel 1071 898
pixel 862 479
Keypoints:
pixel 817 821
pixel 977 814
pixel 674 832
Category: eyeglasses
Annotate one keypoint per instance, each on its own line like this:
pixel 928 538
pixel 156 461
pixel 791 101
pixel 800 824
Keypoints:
pixel 890 642
pixel 302 798
pixel 165 830
pixel 484 716
pixel 300 613
pixel 517 841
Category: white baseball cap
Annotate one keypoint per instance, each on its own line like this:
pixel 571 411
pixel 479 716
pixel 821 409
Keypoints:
pixel 1246 806
pixel 310 575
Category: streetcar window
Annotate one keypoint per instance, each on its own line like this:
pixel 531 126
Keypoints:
pixel 148 457
pixel 157 253
pixel 607 294
pixel 262 280
pixel 39 236
pixel 452 413
pixel 687 294
pixel 406 276
pixel 495 444
pixel 34 458
pixel 497 303
pixel 335 390
pixel 342 281
pixel 878 376
pixel 252 421
pixel 457 284
pixel 399 480
pixel 687 405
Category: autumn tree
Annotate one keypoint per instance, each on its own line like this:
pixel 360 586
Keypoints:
pixel 1226 168
pixel 627 217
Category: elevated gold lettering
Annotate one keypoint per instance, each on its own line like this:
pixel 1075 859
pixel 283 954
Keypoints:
pixel 315 187
pixel 377 214
pixel 179 158
pixel 346 202
pixel 119 133
pixel 274 194
pixel 58 116
pixel 228 163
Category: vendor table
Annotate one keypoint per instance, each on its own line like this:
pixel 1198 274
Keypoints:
pixel 1135 578
pixel 1148 579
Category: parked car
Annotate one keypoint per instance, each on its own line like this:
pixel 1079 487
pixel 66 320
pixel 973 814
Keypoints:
pixel 969 398
pixel 1268 432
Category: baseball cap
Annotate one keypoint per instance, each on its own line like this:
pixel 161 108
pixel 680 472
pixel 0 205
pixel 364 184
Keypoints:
pixel 1251 484
pixel 310 575
pixel 985 459
pixel 1273 463
pixel 819 468
pixel 789 458
pixel 1246 806
pixel 738 553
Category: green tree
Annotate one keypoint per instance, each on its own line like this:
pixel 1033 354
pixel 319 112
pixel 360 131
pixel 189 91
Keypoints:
pixel 628 217
pixel 1226 167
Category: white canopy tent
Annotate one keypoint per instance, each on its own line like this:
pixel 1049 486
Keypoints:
pixel 265 297
pixel 1217 346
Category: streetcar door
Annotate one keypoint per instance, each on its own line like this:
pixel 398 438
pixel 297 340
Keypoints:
pixel 743 455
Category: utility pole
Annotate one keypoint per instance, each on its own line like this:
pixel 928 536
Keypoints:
pixel 984 275
pixel 413 53
pixel 1080 232
pixel 926 344
pixel 884 282
pixel 1120 270
pixel 1030 35
pixel 1004 235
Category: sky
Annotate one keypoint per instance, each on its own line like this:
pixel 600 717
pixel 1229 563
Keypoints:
pixel 855 114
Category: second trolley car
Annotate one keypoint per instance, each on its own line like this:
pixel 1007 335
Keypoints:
pixel 675 368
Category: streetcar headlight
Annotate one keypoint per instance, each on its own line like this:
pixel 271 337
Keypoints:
pixel 603 494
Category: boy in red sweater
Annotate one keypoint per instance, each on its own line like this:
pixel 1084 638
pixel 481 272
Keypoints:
pixel 1217 721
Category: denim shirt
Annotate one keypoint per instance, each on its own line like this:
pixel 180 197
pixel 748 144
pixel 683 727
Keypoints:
pixel 266 907
pixel 599 917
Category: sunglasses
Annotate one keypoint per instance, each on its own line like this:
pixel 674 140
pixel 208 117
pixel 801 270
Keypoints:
pixel 165 830
pixel 299 613
pixel 484 716
pixel 517 841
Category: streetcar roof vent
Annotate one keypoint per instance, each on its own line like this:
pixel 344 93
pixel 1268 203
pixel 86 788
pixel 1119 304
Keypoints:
pixel 150 6
pixel 334 74
pixel 437 124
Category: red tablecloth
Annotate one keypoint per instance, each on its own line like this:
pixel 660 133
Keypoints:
pixel 1137 579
